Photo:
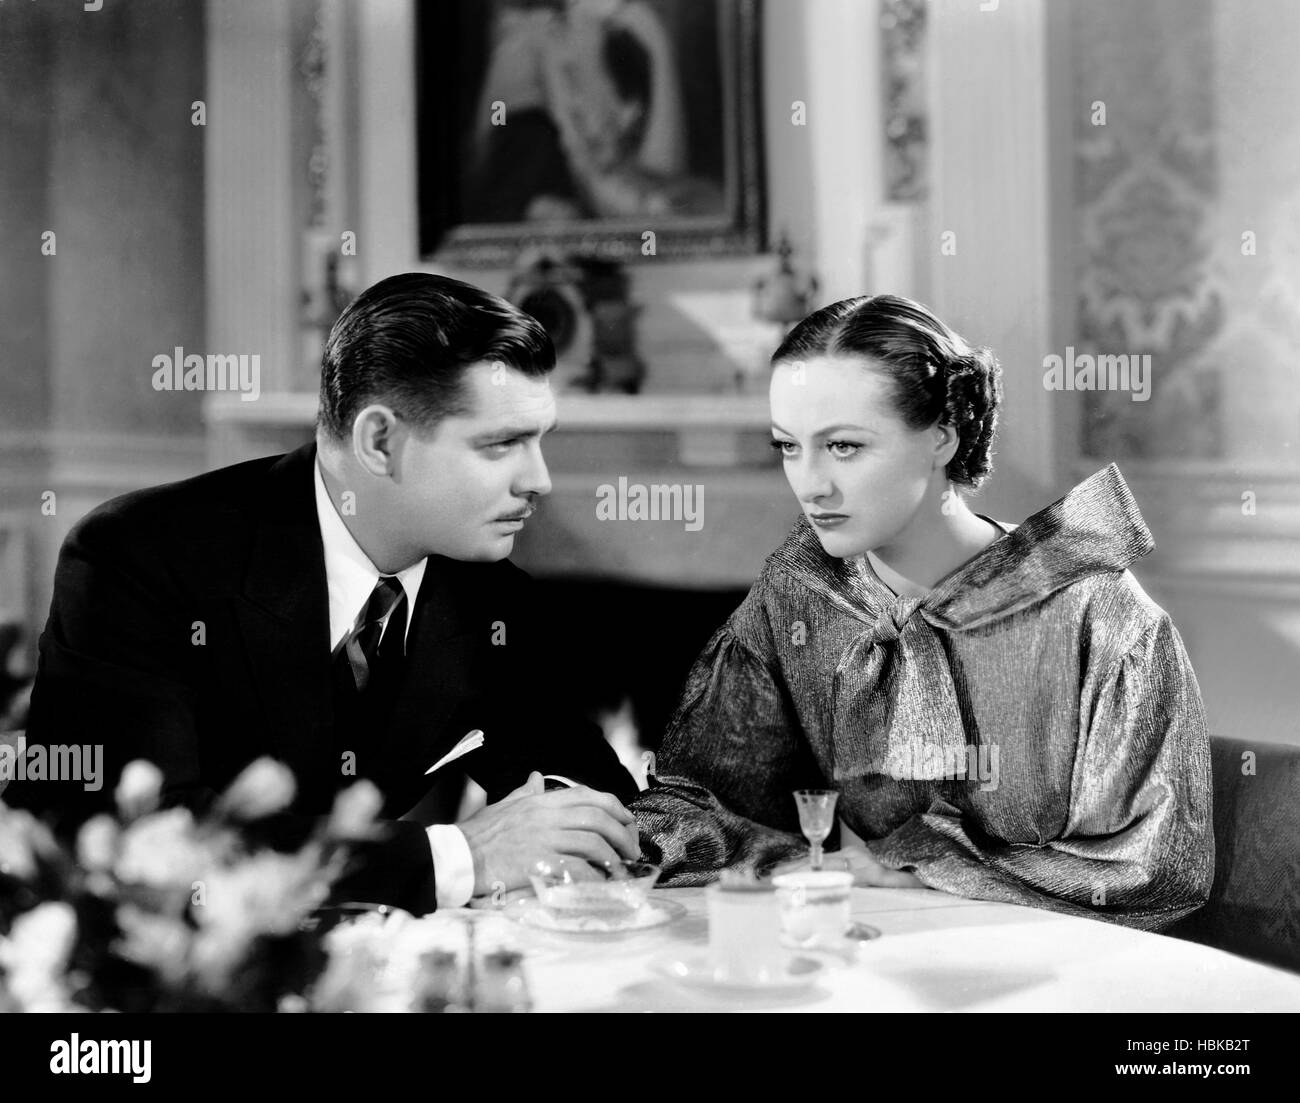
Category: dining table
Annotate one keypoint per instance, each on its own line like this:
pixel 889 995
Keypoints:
pixel 923 950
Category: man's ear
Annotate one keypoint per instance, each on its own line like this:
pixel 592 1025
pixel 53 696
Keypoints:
pixel 373 439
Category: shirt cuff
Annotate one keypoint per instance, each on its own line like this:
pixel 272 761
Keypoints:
pixel 561 782
pixel 453 864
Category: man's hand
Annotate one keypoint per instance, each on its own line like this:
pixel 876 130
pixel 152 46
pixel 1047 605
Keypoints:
pixel 530 825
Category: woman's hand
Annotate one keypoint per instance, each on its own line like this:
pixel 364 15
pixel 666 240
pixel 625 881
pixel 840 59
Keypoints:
pixel 866 869
pixel 869 873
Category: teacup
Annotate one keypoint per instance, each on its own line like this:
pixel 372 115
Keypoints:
pixel 745 933
pixel 815 906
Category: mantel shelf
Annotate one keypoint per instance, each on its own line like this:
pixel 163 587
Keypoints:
pixel 663 412
pixel 715 443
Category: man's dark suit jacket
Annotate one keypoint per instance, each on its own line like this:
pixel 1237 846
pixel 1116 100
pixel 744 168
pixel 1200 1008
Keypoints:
pixel 234 558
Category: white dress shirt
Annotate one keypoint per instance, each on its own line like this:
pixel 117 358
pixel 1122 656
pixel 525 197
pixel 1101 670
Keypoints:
pixel 351 577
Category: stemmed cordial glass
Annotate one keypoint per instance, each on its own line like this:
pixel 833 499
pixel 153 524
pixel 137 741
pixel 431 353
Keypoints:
pixel 816 818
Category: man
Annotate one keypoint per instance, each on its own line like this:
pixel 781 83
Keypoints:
pixel 349 610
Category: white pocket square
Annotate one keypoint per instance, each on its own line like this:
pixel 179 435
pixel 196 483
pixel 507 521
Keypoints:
pixel 470 741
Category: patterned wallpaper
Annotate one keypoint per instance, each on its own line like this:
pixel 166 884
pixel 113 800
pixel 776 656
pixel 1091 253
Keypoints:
pixel 1146 181
pixel 1187 224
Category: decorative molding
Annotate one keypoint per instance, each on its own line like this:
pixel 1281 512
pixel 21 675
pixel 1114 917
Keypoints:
pixel 903 48
pixel 706 431
pixel 252 243
pixel 15 566
pixel 316 77
pixel 1207 536
pixel 115 464
pixel 745 514
pixel 577 411
pixel 388 230
pixel 1273 593
pixel 649 439
pixel 25 461
pixel 843 185
pixel 82 470
pixel 989 200
pixel 84 462
pixel 1210 500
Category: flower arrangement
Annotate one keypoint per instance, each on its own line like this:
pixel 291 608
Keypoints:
pixel 161 910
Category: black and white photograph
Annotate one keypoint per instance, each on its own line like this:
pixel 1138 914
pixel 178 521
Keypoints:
pixel 649 506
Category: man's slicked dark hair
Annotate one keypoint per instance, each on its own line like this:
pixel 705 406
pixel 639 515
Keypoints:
pixel 407 341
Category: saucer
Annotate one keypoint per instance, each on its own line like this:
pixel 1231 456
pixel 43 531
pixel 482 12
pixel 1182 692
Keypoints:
pixel 861 932
pixel 698 971
pixel 529 912
pixel 854 935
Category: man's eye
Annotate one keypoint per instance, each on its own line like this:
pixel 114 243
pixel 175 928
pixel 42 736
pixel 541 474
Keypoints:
pixel 785 447
pixel 502 445
pixel 843 449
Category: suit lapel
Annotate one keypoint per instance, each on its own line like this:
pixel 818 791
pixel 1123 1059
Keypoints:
pixel 283 611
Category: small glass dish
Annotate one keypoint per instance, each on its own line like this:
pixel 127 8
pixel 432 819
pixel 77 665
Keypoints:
pixel 578 889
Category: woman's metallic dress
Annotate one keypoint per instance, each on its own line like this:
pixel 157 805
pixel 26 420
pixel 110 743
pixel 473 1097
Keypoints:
pixel 1031 731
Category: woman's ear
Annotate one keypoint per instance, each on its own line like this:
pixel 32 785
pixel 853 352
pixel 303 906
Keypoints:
pixel 946 439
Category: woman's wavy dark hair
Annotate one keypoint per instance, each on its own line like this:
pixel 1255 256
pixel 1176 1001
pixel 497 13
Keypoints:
pixel 936 375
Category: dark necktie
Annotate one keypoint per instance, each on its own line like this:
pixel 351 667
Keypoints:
pixel 366 653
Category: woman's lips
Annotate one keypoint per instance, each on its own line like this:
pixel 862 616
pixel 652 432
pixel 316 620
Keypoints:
pixel 828 520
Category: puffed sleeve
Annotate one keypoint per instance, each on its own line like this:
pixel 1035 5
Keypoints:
pixel 732 756
pixel 1138 845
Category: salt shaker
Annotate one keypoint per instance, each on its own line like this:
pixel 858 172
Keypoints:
pixel 502 985
pixel 440 984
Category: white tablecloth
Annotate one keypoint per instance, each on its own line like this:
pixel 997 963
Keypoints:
pixel 937 953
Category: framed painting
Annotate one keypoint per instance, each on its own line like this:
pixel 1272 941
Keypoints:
pixel 581 124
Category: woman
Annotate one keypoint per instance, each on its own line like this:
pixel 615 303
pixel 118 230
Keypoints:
pixel 1004 712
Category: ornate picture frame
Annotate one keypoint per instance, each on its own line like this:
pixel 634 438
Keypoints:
pixel 579 126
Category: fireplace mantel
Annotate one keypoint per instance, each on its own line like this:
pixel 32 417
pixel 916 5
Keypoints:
pixel 228 416
pixel 715 444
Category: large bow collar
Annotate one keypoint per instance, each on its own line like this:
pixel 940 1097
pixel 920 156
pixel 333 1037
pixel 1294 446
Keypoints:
pixel 894 704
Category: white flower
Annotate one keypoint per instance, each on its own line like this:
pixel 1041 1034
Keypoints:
pixel 354 812
pixel 24 838
pixel 97 843
pixel 264 787
pixel 36 953
pixel 138 789
pixel 156 941
pixel 268 893
pixel 161 850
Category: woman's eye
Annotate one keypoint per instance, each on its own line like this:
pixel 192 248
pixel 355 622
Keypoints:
pixel 843 449
pixel 785 447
